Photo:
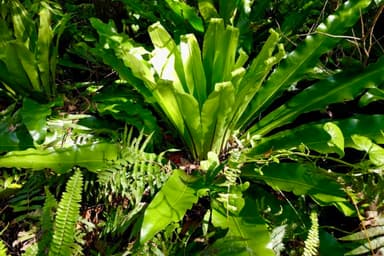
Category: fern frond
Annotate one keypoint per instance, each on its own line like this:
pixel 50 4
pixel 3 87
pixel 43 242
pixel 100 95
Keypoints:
pixel 47 222
pixel 68 211
pixel 313 241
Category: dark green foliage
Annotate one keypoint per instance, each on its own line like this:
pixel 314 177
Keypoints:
pixel 268 116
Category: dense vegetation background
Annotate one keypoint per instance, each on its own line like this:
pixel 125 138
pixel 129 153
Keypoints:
pixel 205 127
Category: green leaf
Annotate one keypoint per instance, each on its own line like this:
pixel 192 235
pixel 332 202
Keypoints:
pixel 215 116
pixel 367 247
pixel 207 9
pixel 93 157
pixel 219 52
pixel 34 117
pixel 306 55
pixel 372 95
pixel 375 152
pixel 315 136
pixel 342 87
pixel 247 232
pixel 255 75
pixel 304 180
pixel 44 44
pixel 364 234
pixel 337 138
pixel 193 67
pixel 169 205
pixel 187 13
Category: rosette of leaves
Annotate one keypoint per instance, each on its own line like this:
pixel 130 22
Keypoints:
pixel 208 94
pixel 29 49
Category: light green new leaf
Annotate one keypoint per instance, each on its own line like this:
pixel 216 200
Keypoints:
pixel 219 52
pixel 193 67
pixel 247 232
pixel 190 111
pixel 216 114
pixel 166 58
pixel 93 157
pixel 169 205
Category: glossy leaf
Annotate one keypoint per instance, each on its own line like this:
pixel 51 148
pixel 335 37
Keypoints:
pixel 169 205
pixel 215 116
pixel 305 180
pixel 186 13
pixel 247 232
pixel 93 157
pixel 375 152
pixel 367 247
pixel 306 55
pixel 219 51
pixel 34 117
pixel 372 95
pixel 44 45
pixel 315 137
pixel 342 87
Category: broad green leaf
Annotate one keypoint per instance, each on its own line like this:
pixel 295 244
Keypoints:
pixel 34 117
pixel 11 71
pixel 207 9
pixel 169 205
pixel 367 247
pixel 29 65
pixel 321 137
pixel 304 180
pixel 44 44
pixel 23 26
pixel 364 234
pixel 375 152
pixel 193 67
pixel 247 232
pixel 125 105
pixel 215 116
pixel 93 157
pixel 219 51
pixel 306 55
pixel 187 13
pixel 166 58
pixel 190 111
pixel 342 87
pixel 372 95
pixel 328 243
pixel 255 75
pixel 337 139
pixel 315 137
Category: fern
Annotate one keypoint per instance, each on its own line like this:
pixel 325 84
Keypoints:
pixel 135 172
pixel 63 240
pixel 313 241
pixel 47 222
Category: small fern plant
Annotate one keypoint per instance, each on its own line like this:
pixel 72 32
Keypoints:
pixel 68 211
pixel 312 242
